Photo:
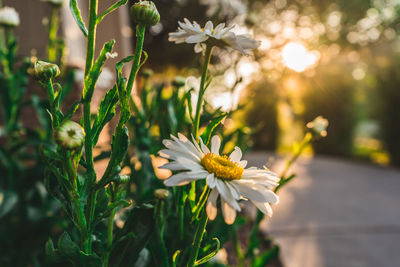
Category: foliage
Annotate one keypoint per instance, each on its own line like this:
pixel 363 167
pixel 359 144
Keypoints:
pixel 81 218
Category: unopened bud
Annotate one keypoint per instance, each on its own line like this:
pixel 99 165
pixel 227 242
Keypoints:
pixel 161 194
pixel 179 81
pixel 70 135
pixel 9 17
pixel 147 73
pixel 55 2
pixel 145 12
pixel 123 178
pixel 44 71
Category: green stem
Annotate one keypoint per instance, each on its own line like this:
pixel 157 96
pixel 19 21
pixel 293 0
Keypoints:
pixel 194 251
pixel 202 89
pixel 238 249
pixel 140 33
pixel 202 202
pixel 53 30
pixel 110 228
pixel 93 6
pixel 181 211
pixel 304 143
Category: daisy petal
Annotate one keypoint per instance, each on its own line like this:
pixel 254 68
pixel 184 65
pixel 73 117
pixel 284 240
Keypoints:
pixel 243 163
pixel 215 144
pixel 185 178
pixel 264 207
pixel 228 212
pixel 211 182
pixel 226 194
pixel 211 207
pixel 236 155
pixel 204 147
pixel 198 38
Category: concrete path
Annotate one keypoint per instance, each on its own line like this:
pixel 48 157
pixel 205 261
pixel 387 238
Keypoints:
pixel 336 213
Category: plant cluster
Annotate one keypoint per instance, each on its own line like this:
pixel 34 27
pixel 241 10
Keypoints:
pixel 135 218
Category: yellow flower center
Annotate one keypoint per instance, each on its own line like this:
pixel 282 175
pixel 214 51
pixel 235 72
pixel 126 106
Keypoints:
pixel 222 166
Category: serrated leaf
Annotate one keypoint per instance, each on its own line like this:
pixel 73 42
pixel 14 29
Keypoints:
pixel 141 223
pixel 76 13
pixel 110 9
pixel 122 146
pixel 67 247
pixel 105 114
pixel 95 71
pixel 210 255
pixel 206 136
pixel 71 111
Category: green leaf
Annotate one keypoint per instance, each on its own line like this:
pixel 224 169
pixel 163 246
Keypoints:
pixel 141 223
pixel 102 201
pixel 50 252
pixel 206 136
pixel 211 255
pixel 94 73
pixel 267 257
pixel 105 114
pixel 71 111
pixel 86 260
pixel 67 247
pixel 110 9
pixel 122 146
pixel 76 13
pixel 7 202
pixel 174 258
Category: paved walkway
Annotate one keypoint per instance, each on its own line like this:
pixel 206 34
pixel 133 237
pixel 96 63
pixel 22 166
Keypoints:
pixel 336 213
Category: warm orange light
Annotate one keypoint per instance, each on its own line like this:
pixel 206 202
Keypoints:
pixel 296 57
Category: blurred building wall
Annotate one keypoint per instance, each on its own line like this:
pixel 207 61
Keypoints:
pixel 32 34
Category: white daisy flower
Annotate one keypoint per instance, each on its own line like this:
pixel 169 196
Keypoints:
pixel 225 176
pixel 192 33
pixel 9 17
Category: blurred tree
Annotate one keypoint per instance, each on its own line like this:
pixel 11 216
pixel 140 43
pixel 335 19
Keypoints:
pixel 262 113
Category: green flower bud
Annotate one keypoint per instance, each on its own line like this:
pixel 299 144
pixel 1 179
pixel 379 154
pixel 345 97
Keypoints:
pixel 44 71
pixel 55 2
pixel 123 178
pixel 70 135
pixel 145 12
pixel 147 73
pixel 161 194
pixel 179 81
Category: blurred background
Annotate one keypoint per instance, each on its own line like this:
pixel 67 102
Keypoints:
pixel 339 59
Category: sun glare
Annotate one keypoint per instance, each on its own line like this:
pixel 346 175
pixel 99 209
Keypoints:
pixel 296 57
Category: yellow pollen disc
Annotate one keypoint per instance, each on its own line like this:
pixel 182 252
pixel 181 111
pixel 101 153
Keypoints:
pixel 222 166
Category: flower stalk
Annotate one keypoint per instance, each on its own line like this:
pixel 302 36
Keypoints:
pixel 202 90
pixel 194 251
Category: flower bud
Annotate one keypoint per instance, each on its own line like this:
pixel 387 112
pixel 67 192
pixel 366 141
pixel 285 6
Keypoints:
pixel 44 71
pixel 123 178
pixel 145 12
pixel 147 73
pixel 179 81
pixel 70 135
pixel 318 126
pixel 161 194
pixel 55 2
pixel 9 17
